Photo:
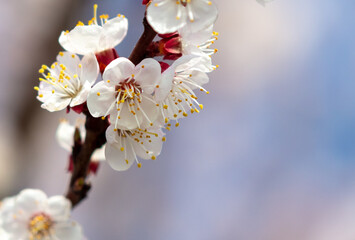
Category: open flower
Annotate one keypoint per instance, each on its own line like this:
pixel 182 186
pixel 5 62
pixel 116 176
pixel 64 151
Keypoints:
pixel 124 146
pixel 31 215
pixel 167 16
pixel 67 82
pixel 125 94
pixel 94 38
pixel 176 88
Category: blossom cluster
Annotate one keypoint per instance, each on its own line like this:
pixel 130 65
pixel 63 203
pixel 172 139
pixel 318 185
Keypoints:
pixel 139 100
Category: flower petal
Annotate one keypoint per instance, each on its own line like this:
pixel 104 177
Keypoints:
pixel 69 230
pixel 82 39
pixel 81 96
pixel 204 14
pixel 117 158
pixel 64 135
pixel 118 70
pixel 147 74
pixel 90 69
pixel 70 61
pixel 59 208
pixel 100 99
pixel 165 84
pixel 56 102
pixel 30 201
pixel 113 33
pixel 163 16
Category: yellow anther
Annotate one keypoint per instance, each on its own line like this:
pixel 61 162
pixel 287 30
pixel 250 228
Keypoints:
pixel 41 70
pixel 53 66
pixel 122 149
pixel 66 86
pixel 80 66
pixel 157 104
pixel 192 111
pixel 95 11
pixel 217 66
pixel 177 18
pixel 153 157
pixel 209 3
pixel 132 75
pixel 139 165
pixel 166 120
pixel 215 50
pixel 163 139
pixel 185 114
pixel 201 106
pixel 151 124
pixel 118 117
pixel 41 95
pixel 75 76
pixel 103 118
pixel 44 67
pixel 208 92
pixel 61 54
pixel 175 115
pixel 177 124
pixel 80 23
pixel 127 161
pixel 192 20
pixel 143 66
pixel 165 106
pixel 157 86
pixel 108 81
pixel 98 93
pixel 36 88
pixel 156 4
pixel 53 91
pixel 115 129
pixel 168 128
pixel 196 110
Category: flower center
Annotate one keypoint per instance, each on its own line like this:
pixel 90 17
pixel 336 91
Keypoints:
pixel 40 226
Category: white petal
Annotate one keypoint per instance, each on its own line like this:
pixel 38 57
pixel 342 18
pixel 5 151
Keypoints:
pixel 99 154
pixel 204 15
pixel 127 120
pixel 163 17
pixel 70 61
pixel 30 201
pixel 147 74
pixel 153 144
pixel 81 96
pixel 150 109
pixel 64 135
pixel 117 158
pixel 198 77
pixel 58 208
pixel 113 32
pixel 100 99
pixel 111 135
pixel 118 70
pixel 68 231
pixel 82 39
pixel 165 84
pixel 195 38
pixel 90 69
pixel 56 102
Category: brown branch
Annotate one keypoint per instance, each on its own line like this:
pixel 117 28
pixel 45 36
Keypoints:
pixel 81 155
pixel 95 131
pixel 139 51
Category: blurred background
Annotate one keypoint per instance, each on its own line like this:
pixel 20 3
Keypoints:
pixel 271 156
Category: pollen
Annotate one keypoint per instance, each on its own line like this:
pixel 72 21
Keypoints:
pixel 153 157
pixel 61 54
pixel 98 93
pixel 127 161
pixel 36 88
pixel 139 165
pixel 163 139
pixel 103 118
pixel 122 149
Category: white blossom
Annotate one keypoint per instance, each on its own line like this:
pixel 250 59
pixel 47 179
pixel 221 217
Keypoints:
pixel 125 94
pixel 94 38
pixel 199 43
pixel 176 88
pixel 167 16
pixel 125 146
pixel 67 82
pixel 31 215
pixel 65 138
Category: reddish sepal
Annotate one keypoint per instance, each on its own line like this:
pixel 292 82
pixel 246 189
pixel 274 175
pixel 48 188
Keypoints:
pixel 105 57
